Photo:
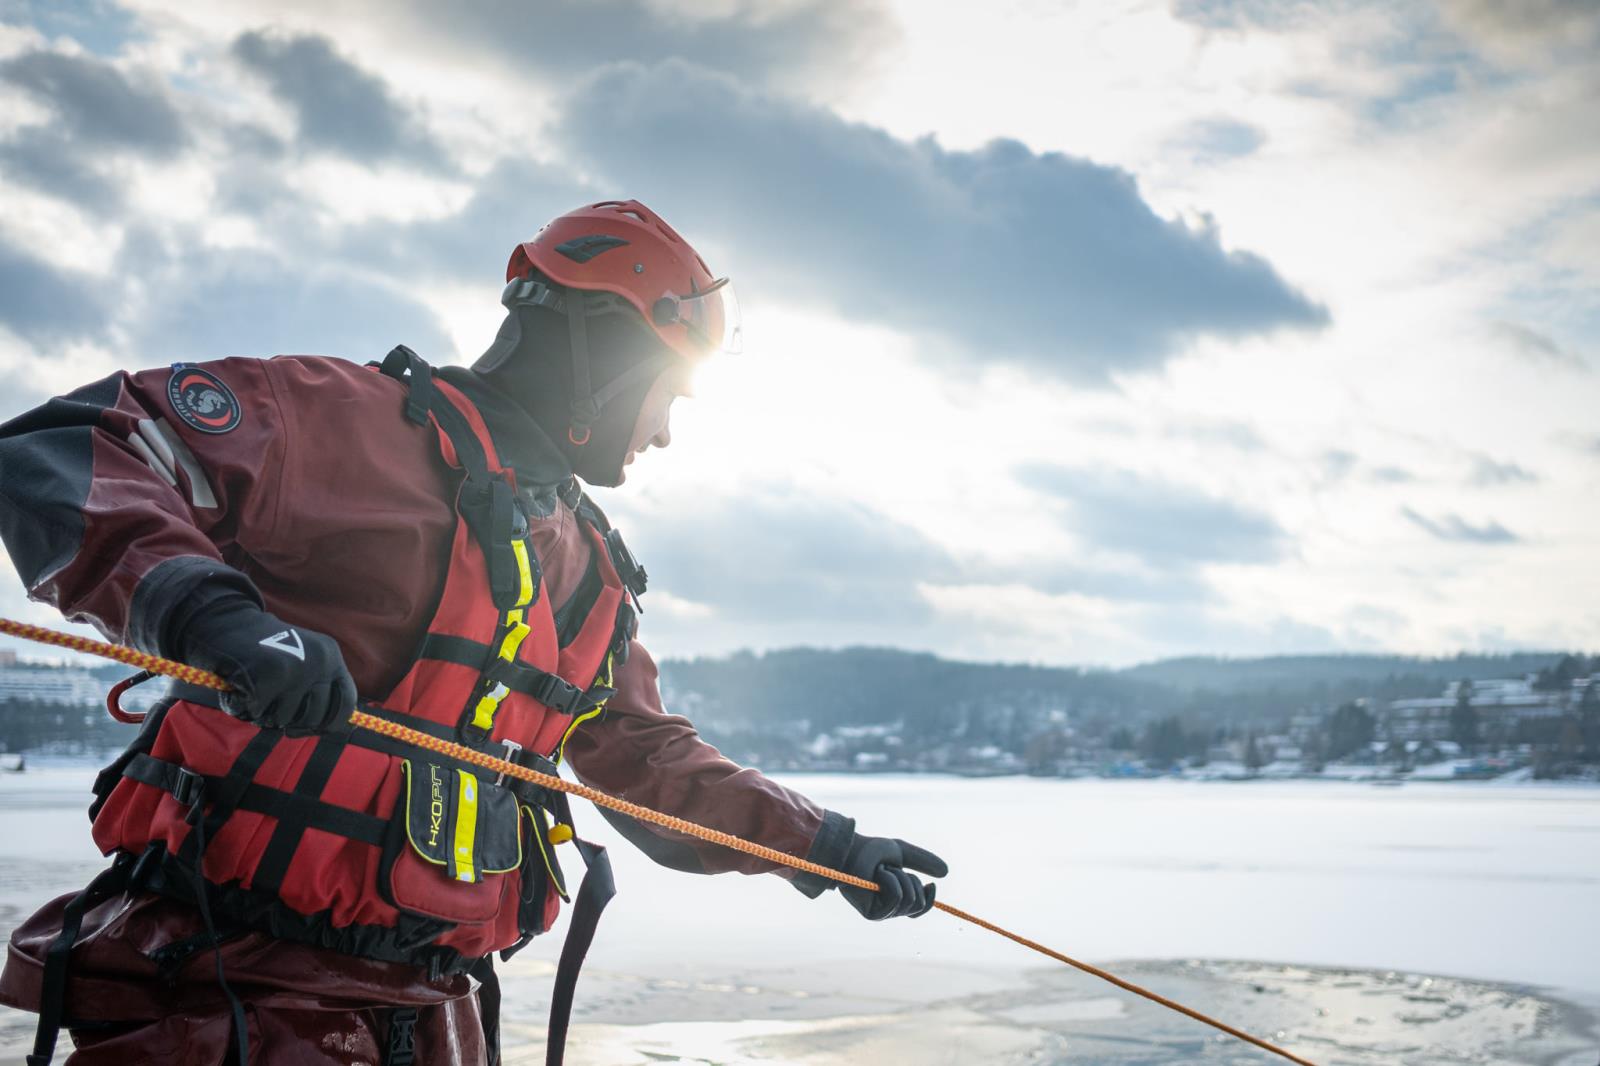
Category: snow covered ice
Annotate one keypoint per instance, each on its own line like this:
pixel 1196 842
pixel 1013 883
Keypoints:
pixel 1427 923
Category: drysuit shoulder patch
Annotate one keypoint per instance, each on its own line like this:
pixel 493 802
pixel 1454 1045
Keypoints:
pixel 202 401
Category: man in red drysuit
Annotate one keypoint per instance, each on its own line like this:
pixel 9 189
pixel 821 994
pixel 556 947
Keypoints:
pixel 286 889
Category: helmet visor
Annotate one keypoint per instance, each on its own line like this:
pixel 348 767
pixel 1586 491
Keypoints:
pixel 711 317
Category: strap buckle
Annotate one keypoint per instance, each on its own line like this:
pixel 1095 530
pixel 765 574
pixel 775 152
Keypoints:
pixel 530 292
pixel 402 1039
pixel 188 787
pixel 558 694
pixel 628 569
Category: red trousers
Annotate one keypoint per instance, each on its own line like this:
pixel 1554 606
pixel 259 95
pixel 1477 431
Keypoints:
pixel 304 1005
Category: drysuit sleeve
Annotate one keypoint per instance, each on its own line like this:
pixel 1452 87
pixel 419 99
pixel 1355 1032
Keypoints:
pixel 122 498
pixel 638 751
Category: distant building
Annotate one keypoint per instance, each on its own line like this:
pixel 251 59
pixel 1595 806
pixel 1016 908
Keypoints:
pixel 1500 703
pixel 64 685
pixel 69 686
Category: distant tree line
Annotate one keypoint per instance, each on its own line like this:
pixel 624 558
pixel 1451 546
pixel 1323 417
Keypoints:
pixel 1559 676
pixel 31 725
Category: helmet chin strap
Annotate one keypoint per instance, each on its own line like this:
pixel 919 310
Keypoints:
pixel 587 401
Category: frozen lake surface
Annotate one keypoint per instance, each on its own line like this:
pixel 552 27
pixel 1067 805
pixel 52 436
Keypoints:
pixel 1496 884
pixel 1469 880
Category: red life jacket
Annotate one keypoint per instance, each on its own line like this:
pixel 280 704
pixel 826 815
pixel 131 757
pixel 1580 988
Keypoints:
pixel 361 843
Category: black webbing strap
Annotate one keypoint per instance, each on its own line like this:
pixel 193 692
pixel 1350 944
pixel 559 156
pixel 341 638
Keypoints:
pixel 593 894
pixel 57 959
pixel 226 791
pixel 304 811
pixel 420 391
pixel 488 506
pixel 552 690
pixel 280 849
pixel 459 650
pixel 410 721
pixel 488 1007
pixel 549 689
pixel 366 738
pixel 401 1047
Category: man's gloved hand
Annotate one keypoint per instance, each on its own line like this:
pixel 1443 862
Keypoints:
pixel 283 676
pixel 887 861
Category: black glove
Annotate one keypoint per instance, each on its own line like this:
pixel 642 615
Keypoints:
pixel 283 676
pixel 886 861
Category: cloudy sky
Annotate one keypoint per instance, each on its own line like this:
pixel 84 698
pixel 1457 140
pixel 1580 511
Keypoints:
pixel 1086 333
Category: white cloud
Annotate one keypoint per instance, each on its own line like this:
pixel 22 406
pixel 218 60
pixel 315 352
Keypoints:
pixel 1439 201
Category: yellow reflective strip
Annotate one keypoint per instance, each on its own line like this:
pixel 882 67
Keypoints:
pixel 513 640
pixel 519 548
pixel 489 705
pixel 483 714
pixel 561 749
pixel 466 827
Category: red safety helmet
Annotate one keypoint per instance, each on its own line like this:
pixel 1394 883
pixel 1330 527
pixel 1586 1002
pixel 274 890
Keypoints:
pixel 616 256
pixel 623 247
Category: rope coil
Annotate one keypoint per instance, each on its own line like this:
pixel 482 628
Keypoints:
pixel 363 720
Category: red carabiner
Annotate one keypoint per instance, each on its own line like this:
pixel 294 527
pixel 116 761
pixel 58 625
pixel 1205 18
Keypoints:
pixel 114 698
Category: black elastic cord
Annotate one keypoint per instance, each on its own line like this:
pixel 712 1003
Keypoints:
pixel 202 895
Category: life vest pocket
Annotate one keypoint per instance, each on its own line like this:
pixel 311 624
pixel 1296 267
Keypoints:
pixel 460 834
pixel 543 886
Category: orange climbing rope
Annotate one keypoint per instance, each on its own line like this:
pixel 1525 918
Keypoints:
pixel 158 665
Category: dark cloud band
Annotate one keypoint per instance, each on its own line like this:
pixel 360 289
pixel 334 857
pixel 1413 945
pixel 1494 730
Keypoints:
pixel 1046 260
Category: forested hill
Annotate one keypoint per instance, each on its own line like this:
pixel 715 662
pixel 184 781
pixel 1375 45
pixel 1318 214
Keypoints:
pixel 864 685
pixel 1290 671
pixel 854 686
pixel 792 695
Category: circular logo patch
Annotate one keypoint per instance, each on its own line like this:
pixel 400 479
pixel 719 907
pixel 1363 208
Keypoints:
pixel 202 400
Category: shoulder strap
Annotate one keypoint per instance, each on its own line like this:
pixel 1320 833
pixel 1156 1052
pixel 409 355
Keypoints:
pixel 486 502
pixel 419 396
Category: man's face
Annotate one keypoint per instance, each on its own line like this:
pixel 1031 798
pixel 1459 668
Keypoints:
pixel 653 426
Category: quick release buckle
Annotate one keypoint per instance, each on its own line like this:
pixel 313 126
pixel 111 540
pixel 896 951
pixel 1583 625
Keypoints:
pixel 628 569
pixel 557 694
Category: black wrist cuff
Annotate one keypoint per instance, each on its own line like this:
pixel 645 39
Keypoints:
pixel 828 848
pixel 173 593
